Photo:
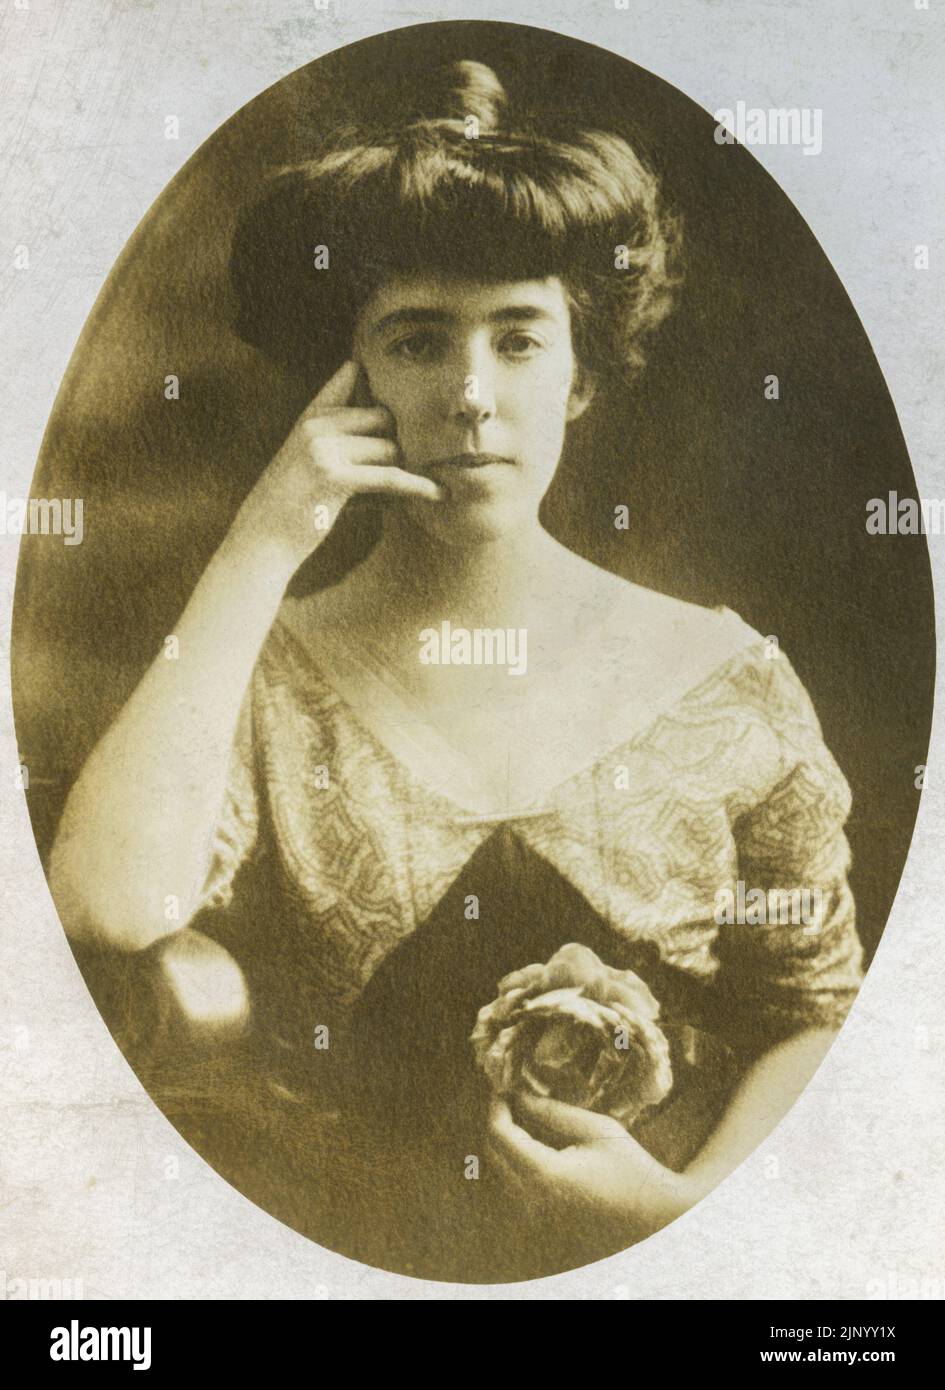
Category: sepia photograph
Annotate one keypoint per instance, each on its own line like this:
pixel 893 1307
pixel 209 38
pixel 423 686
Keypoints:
pixel 472 728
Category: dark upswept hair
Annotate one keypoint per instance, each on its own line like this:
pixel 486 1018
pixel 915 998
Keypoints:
pixel 457 190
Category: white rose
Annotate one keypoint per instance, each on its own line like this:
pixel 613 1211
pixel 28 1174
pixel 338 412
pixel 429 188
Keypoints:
pixel 579 1031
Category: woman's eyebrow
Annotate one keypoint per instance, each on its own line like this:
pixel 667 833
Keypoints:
pixel 508 313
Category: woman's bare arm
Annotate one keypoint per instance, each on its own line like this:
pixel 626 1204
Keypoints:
pixel 601 1188
pixel 138 824
pixel 763 1097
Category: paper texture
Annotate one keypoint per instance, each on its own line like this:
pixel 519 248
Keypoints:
pixel 102 1197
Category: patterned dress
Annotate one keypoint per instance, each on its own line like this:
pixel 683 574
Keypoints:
pixel 341 877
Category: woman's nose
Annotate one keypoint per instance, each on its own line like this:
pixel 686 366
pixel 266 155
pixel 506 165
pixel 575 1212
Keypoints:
pixel 474 409
pixel 472 388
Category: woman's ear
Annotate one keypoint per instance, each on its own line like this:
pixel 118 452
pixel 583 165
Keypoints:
pixel 583 390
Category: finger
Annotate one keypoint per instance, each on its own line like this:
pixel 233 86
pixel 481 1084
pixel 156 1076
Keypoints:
pixel 517 1146
pixel 559 1124
pixel 391 482
pixel 336 390
pixel 376 419
pixel 360 449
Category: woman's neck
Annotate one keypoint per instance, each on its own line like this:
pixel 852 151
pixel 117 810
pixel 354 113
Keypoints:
pixel 417 581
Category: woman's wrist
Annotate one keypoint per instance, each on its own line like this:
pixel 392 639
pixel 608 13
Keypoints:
pixel 676 1193
pixel 691 1186
pixel 639 1213
pixel 664 1197
pixel 254 550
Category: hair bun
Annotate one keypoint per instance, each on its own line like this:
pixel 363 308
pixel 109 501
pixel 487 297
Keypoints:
pixel 466 88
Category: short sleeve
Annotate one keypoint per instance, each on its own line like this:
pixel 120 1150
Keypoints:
pixel 236 830
pixel 792 958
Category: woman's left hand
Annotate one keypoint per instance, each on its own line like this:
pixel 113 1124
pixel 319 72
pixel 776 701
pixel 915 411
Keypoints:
pixel 596 1183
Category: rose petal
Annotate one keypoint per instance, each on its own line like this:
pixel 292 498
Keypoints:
pixel 521 979
pixel 573 1005
pixel 553 1030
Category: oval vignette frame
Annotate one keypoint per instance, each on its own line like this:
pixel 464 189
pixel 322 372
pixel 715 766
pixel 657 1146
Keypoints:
pixel 714 469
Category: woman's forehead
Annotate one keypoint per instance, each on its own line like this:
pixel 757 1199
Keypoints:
pixel 457 298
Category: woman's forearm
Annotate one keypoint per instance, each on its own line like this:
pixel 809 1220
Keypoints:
pixel 764 1095
pixel 136 827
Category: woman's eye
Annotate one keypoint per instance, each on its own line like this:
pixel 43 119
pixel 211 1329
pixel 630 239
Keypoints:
pixel 426 346
pixel 521 345
pixel 416 347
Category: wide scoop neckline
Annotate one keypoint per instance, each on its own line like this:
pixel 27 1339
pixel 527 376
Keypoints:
pixel 399 734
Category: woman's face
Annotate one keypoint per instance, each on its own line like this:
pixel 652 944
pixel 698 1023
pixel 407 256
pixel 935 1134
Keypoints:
pixel 473 367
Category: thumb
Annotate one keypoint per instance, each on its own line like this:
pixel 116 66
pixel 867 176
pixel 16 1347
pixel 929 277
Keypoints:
pixel 560 1124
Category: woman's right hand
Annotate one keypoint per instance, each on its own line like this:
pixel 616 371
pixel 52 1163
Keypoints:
pixel 336 449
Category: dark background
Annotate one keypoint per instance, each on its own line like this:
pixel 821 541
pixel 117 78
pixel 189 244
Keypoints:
pixel 733 499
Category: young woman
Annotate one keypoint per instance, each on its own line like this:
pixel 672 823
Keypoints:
pixel 380 828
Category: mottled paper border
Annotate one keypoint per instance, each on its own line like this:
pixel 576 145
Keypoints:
pixel 98 1187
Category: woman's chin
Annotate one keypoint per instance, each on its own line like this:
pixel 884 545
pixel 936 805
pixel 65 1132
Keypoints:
pixel 462 521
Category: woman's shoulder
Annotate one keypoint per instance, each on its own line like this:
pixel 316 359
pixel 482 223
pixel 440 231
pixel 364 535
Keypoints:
pixel 669 632
pixel 712 656
pixel 665 613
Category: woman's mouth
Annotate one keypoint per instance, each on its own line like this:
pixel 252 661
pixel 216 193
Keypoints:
pixel 468 461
